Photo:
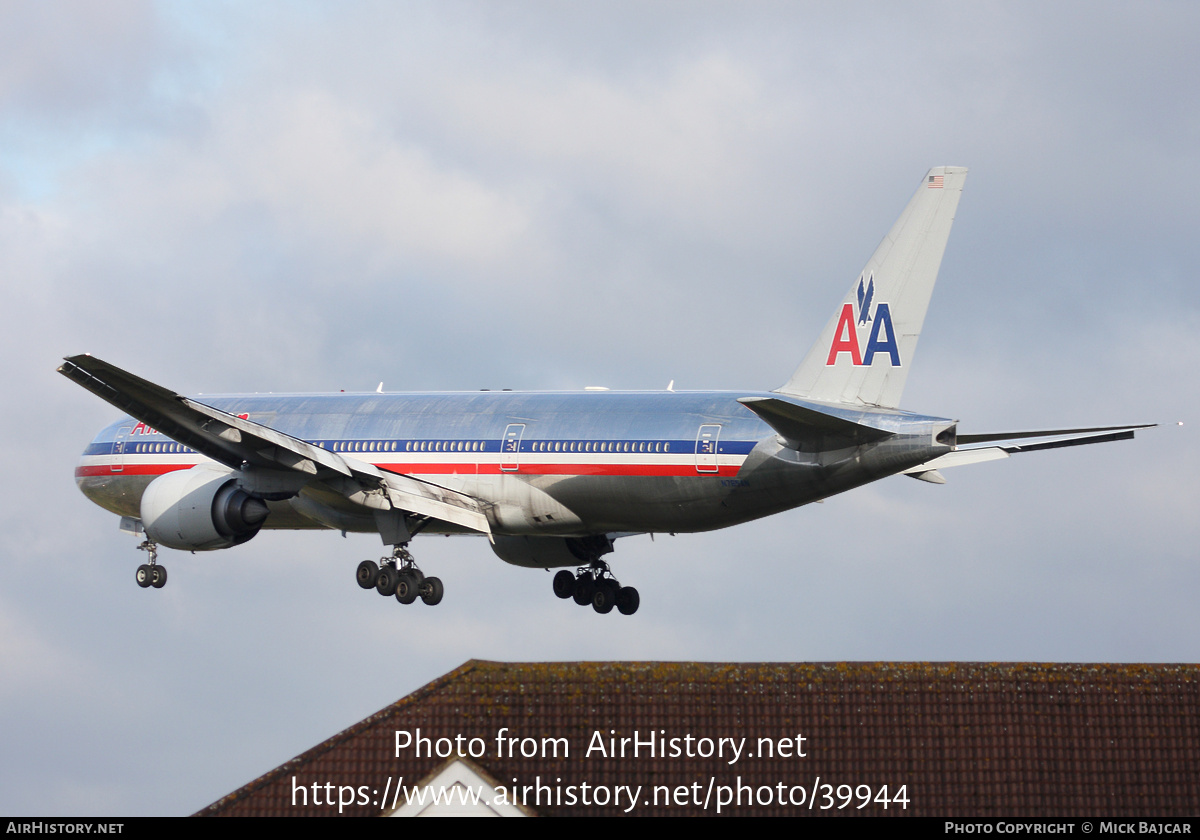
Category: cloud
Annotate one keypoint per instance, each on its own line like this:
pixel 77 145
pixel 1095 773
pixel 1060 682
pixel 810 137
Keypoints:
pixel 228 198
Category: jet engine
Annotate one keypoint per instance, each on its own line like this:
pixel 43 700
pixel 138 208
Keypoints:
pixel 549 552
pixel 200 509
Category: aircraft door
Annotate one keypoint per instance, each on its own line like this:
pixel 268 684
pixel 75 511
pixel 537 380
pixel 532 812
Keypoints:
pixel 510 447
pixel 706 448
pixel 117 464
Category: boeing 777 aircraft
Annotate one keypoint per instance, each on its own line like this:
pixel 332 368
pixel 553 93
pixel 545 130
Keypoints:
pixel 552 479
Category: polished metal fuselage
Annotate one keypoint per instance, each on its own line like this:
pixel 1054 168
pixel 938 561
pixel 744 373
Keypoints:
pixel 550 463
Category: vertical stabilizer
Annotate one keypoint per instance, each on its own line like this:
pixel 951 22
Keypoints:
pixel 865 351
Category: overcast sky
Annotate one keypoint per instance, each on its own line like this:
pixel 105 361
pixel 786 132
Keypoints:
pixel 288 196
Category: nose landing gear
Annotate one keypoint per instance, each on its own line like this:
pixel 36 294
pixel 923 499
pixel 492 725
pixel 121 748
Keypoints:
pixel 151 574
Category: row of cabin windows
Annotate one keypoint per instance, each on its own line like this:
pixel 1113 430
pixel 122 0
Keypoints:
pixel 410 446
pixel 453 446
pixel 361 446
pixel 600 446
pixel 479 446
pixel 144 448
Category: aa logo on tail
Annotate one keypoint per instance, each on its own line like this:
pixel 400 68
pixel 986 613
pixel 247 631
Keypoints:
pixel 882 336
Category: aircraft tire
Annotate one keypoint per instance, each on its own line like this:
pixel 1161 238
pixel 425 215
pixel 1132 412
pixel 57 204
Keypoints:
pixel 604 599
pixel 628 600
pixel 385 583
pixel 368 573
pixel 158 576
pixel 564 584
pixel 407 587
pixel 431 591
pixel 585 588
pixel 144 576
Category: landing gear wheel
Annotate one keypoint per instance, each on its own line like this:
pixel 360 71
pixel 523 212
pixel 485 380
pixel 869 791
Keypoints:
pixel 144 576
pixel 564 584
pixel 158 576
pixel 368 573
pixel 407 587
pixel 431 591
pixel 585 588
pixel 604 599
pixel 385 583
pixel 628 600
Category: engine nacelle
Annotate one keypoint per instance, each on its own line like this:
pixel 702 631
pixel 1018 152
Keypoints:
pixel 200 509
pixel 550 552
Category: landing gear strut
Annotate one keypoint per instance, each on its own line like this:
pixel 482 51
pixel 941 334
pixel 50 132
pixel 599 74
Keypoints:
pixel 398 575
pixel 594 584
pixel 151 574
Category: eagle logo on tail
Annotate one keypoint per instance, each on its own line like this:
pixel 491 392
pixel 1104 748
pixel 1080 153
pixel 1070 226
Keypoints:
pixel 865 296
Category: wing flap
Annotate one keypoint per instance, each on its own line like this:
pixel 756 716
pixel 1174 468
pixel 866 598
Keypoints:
pixel 421 497
pixel 282 449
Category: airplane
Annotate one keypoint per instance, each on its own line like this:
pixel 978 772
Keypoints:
pixel 552 479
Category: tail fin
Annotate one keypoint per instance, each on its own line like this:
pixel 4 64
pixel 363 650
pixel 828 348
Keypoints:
pixel 865 351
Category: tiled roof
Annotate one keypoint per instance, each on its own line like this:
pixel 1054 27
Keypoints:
pixel 964 739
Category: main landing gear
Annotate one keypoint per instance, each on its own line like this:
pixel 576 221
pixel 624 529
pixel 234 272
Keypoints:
pixel 398 575
pixel 151 574
pixel 596 585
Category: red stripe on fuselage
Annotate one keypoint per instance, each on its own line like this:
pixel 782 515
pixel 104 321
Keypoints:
pixel 682 470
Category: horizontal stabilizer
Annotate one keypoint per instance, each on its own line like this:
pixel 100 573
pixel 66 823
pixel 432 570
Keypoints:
pixel 797 423
pixel 1066 437
pixel 992 437
pixel 237 442
pixel 1073 441
pixel 958 458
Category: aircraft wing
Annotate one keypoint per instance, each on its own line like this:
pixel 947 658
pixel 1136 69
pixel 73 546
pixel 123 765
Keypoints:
pixel 238 442
pixel 1051 439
